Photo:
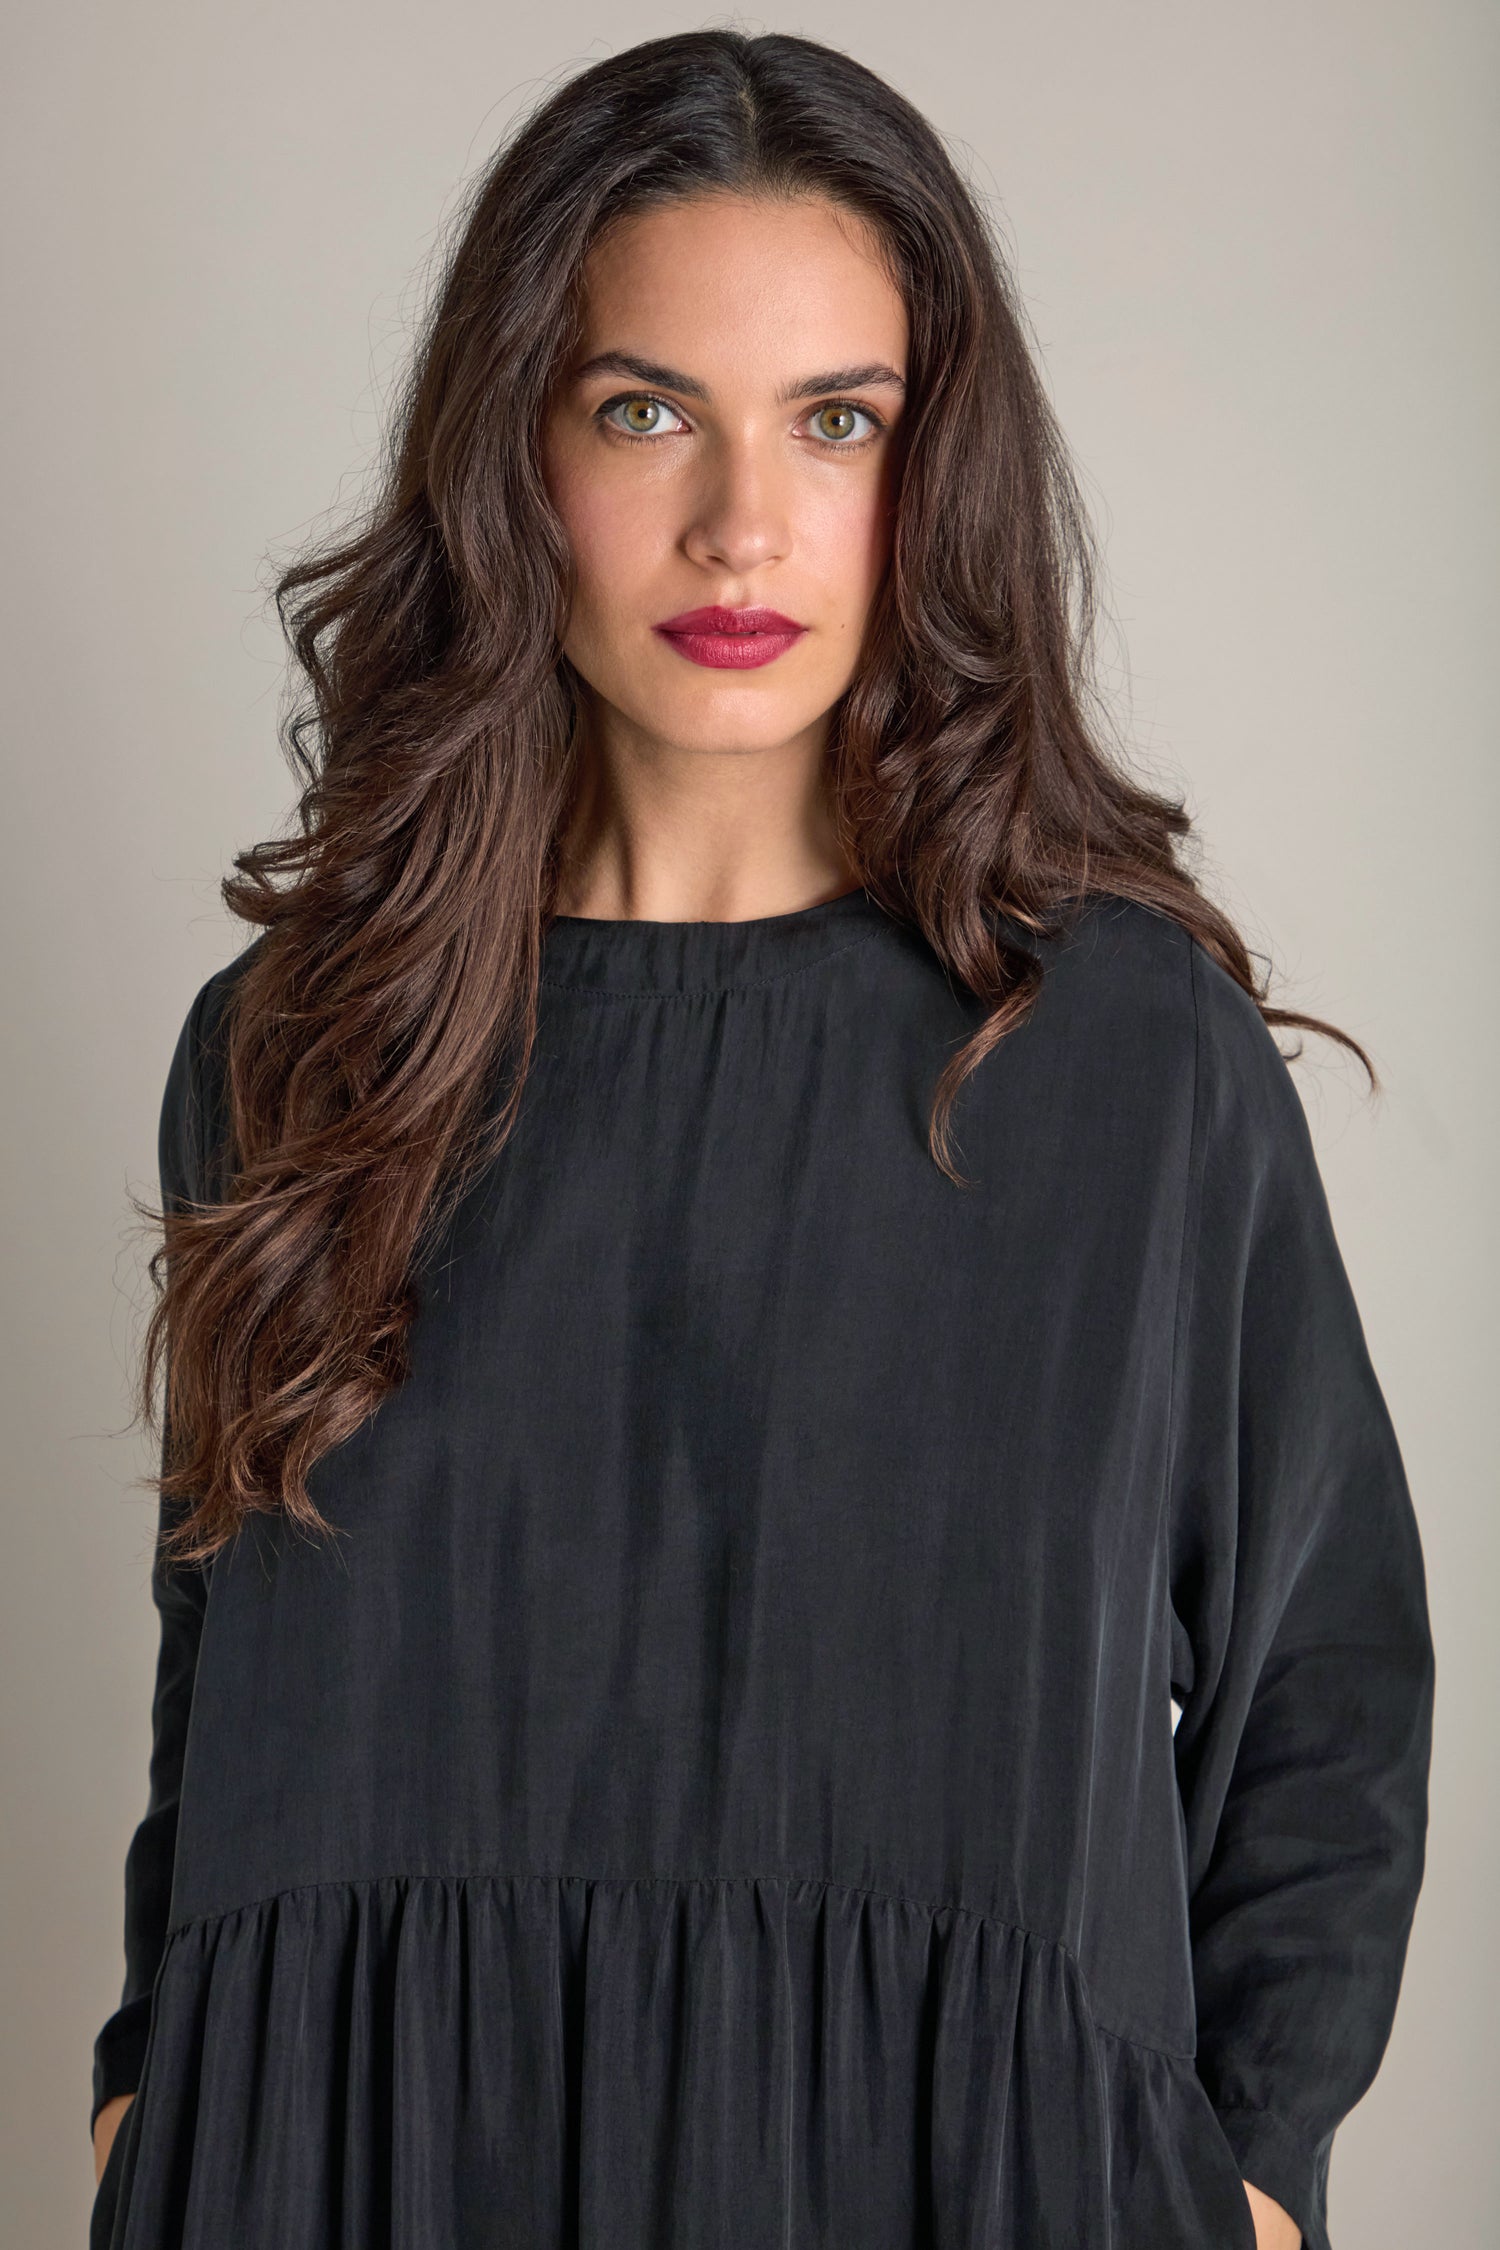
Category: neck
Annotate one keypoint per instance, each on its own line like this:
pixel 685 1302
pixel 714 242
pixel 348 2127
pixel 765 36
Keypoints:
pixel 662 832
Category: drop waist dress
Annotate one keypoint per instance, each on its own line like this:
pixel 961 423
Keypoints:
pixel 847 1710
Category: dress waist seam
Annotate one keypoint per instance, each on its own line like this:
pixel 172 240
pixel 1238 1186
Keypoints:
pixel 929 1907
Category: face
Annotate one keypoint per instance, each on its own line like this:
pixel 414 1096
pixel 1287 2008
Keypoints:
pixel 726 439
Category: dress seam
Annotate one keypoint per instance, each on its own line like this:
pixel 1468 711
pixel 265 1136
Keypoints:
pixel 1147 2046
pixel 703 991
pixel 822 1882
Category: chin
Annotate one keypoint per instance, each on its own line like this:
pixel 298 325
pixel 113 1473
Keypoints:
pixel 728 720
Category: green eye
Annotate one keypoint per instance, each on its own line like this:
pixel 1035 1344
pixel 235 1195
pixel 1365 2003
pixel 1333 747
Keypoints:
pixel 642 416
pixel 838 424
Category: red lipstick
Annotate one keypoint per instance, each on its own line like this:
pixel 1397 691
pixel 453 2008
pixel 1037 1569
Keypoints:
pixel 731 639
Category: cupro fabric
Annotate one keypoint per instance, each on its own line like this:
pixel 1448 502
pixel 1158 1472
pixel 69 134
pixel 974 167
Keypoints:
pixel 846 1708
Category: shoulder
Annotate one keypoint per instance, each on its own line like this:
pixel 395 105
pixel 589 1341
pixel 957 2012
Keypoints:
pixel 1246 1094
pixel 1140 1004
pixel 1148 971
pixel 1175 1043
pixel 193 1121
pixel 1117 986
pixel 200 1041
pixel 1129 947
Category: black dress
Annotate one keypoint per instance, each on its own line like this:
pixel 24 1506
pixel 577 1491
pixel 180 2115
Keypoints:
pixel 721 1790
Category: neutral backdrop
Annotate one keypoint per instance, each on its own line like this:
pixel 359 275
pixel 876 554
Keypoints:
pixel 1257 247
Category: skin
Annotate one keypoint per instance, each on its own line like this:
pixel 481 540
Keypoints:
pixel 1274 2230
pixel 106 2125
pixel 703 794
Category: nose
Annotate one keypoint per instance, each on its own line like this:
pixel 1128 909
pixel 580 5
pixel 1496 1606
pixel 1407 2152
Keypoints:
pixel 741 518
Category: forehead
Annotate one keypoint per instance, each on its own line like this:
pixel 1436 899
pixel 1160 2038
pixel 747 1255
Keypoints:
pixel 718 281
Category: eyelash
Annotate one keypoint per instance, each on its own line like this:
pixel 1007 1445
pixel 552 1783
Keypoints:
pixel 651 437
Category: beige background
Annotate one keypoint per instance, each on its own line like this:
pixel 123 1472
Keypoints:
pixel 1257 244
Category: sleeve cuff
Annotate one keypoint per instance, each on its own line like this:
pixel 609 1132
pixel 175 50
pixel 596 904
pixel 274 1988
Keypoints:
pixel 1290 2169
pixel 120 2053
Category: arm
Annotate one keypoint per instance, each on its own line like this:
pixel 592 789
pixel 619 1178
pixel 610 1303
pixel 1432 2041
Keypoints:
pixel 1274 2229
pixel 1303 1656
pixel 106 2125
pixel 179 1596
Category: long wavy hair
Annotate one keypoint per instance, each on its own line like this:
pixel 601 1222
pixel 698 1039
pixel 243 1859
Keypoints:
pixel 375 1048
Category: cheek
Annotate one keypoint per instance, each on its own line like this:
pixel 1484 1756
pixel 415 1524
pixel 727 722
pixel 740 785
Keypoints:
pixel 845 539
pixel 597 536
pixel 613 531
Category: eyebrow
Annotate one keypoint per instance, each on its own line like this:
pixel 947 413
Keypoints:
pixel 874 374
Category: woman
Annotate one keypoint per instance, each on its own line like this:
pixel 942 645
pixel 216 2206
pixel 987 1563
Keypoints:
pixel 748 1309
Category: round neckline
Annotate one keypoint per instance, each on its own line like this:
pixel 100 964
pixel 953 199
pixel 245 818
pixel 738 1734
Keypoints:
pixel 631 958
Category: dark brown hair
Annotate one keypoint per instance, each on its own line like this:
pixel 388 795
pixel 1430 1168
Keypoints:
pixel 380 1027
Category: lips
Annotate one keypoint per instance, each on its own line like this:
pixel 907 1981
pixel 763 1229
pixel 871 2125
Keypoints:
pixel 731 639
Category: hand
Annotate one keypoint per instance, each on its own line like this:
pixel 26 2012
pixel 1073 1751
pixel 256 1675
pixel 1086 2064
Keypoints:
pixel 1273 2229
pixel 106 2125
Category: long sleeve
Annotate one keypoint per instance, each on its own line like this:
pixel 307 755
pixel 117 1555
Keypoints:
pixel 179 1596
pixel 1302 1654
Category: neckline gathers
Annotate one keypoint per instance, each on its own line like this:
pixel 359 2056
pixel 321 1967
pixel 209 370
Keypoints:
pixel 631 959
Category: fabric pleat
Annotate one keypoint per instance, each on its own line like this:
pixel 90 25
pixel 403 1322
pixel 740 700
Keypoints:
pixel 591 2062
